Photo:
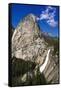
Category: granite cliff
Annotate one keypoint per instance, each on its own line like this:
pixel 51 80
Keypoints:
pixel 30 46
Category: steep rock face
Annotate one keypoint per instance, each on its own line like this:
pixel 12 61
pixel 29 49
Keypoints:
pixel 26 41
pixel 51 71
pixel 29 45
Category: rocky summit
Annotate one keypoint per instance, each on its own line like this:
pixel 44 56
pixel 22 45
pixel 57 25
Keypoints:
pixel 29 52
pixel 27 42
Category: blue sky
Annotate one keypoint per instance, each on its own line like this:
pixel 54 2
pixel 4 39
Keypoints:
pixel 47 16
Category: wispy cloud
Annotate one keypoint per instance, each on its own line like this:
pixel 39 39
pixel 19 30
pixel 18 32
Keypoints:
pixel 49 15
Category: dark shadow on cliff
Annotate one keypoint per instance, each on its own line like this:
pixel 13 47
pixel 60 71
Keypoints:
pixel 20 67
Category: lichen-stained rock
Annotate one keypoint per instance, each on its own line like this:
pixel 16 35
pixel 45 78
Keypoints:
pixel 26 41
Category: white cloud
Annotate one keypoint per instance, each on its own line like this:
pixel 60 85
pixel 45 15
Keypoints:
pixel 49 16
pixel 52 22
pixel 44 16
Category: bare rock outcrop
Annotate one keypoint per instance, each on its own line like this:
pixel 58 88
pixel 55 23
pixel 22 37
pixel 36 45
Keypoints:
pixel 26 41
pixel 29 45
